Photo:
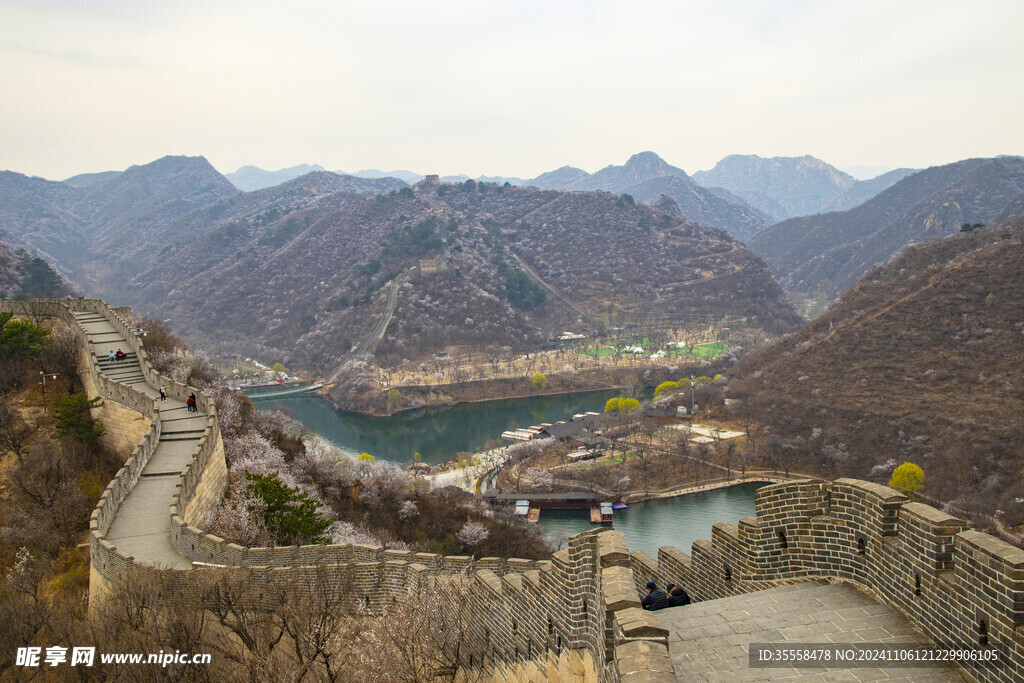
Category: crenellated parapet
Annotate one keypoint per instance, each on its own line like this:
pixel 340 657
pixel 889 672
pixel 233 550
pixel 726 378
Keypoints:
pixel 959 586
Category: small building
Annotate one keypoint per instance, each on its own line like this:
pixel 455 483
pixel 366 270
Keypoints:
pixel 430 265
pixel 658 415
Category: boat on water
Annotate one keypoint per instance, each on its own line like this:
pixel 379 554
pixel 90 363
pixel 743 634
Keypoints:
pixel 602 514
pixel 619 506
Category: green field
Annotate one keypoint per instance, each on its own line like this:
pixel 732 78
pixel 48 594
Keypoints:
pixel 602 352
pixel 710 350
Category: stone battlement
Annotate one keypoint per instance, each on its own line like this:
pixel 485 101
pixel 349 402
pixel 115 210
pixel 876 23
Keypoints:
pixel 957 585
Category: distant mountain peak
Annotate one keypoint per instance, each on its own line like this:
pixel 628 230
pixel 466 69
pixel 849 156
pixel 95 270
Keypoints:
pixel 780 186
pixel 251 178
pixel 652 165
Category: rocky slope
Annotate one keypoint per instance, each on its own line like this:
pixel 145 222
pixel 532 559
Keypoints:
pixel 715 207
pixel 921 361
pixel 831 251
pixel 781 187
pixel 864 190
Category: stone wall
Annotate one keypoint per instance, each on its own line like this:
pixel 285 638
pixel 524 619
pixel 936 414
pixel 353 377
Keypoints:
pixel 123 427
pixel 958 586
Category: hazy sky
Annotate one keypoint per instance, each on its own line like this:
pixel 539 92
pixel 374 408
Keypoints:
pixel 511 88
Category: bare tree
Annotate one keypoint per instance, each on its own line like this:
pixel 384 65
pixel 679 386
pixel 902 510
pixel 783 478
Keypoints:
pixel 15 432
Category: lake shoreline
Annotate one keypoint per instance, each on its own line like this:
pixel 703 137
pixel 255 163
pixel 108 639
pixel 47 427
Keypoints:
pixel 374 402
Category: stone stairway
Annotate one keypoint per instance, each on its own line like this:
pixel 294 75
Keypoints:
pixel 141 527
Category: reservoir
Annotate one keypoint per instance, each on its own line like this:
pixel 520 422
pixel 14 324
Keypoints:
pixel 437 433
pixel 675 521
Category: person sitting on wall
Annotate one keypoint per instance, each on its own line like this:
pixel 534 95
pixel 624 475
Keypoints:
pixel 120 355
pixel 677 597
pixel 111 356
pixel 655 598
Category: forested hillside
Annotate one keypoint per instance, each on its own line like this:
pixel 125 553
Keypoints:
pixel 310 284
pixel 305 270
pixel 832 251
pixel 922 361
pixel 22 275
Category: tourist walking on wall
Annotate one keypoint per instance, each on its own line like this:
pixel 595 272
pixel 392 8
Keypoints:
pixel 191 404
pixel 163 393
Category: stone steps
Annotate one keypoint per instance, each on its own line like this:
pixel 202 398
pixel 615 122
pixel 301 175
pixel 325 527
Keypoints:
pixel 140 527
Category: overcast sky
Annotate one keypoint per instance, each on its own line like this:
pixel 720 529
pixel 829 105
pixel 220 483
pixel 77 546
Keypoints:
pixel 509 88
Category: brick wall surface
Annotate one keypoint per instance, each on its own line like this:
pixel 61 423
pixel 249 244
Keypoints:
pixel 959 586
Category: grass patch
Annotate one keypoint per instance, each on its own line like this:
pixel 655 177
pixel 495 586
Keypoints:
pixel 709 350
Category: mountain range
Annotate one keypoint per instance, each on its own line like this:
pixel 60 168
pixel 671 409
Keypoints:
pixel 784 187
pixel 742 195
pixel 300 270
pixel 832 251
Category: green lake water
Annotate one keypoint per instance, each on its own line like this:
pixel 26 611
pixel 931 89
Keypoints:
pixel 675 521
pixel 437 433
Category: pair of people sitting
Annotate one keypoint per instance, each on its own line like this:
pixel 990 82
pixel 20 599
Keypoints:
pixel 120 355
pixel 672 596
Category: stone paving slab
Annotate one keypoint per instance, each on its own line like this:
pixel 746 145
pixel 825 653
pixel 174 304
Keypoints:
pixel 709 641
pixel 142 526
pixel 170 456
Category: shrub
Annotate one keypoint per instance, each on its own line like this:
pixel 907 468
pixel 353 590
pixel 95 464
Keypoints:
pixel 665 387
pixel 908 479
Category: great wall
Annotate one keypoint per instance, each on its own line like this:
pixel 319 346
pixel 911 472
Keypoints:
pixel 578 615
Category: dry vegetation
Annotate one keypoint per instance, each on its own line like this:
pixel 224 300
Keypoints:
pixel 922 362
pixel 49 482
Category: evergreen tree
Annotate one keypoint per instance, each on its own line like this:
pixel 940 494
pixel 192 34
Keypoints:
pixel 289 514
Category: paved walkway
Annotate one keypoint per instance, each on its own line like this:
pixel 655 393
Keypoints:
pixel 142 525
pixel 709 641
